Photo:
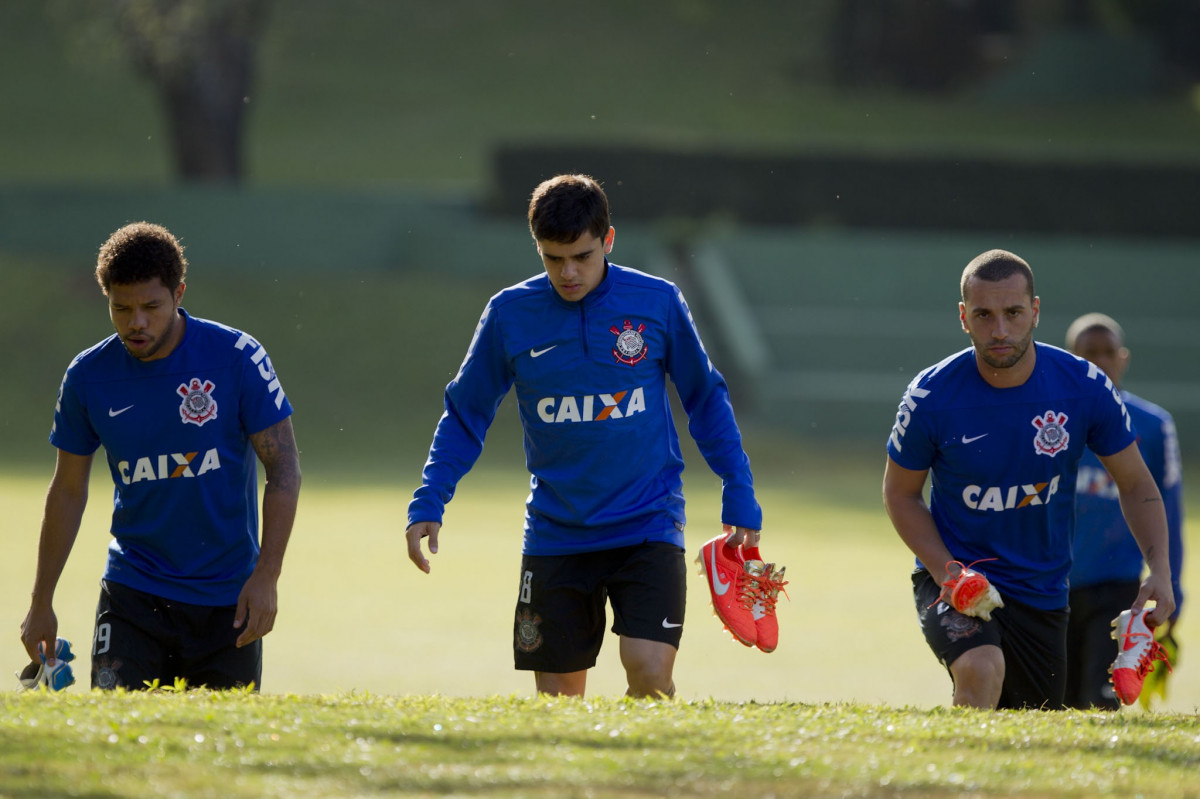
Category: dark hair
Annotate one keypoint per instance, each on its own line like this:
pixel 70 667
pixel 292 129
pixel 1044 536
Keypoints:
pixel 139 252
pixel 994 266
pixel 565 207
pixel 1093 321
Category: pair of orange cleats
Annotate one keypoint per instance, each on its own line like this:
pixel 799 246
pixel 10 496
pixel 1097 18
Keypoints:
pixel 744 591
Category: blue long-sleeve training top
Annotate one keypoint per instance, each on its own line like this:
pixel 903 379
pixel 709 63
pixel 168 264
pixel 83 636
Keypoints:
pixel 591 386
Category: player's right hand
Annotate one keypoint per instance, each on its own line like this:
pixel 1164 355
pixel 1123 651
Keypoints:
pixel 415 532
pixel 970 592
pixel 39 632
pixel 1156 587
pixel 744 536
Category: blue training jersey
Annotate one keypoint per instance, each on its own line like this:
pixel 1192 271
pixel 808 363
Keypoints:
pixel 1105 549
pixel 591 387
pixel 1004 462
pixel 176 433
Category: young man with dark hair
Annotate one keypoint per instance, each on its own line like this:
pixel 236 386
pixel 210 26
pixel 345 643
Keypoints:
pixel 1107 569
pixel 185 409
pixel 589 346
pixel 1000 427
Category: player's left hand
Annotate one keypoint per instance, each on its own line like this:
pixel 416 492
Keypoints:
pixel 256 608
pixel 39 629
pixel 413 535
pixel 741 535
pixel 1156 588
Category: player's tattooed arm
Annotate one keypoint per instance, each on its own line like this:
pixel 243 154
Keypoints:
pixel 258 601
pixel 276 448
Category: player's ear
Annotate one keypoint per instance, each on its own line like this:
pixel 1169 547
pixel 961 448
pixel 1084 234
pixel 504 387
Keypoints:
pixel 182 287
pixel 1037 305
pixel 608 239
pixel 962 317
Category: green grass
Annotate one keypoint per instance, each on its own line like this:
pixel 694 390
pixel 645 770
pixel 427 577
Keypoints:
pixel 364 358
pixel 369 655
pixel 356 615
pixel 232 745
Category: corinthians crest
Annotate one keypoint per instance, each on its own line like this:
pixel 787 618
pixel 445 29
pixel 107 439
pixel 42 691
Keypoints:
pixel 106 673
pixel 529 637
pixel 1052 436
pixel 630 347
pixel 198 405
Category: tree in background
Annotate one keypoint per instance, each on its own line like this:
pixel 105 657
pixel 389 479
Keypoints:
pixel 199 54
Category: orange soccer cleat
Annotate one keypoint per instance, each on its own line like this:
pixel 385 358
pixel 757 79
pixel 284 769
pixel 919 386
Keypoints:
pixel 764 593
pixel 969 592
pixel 732 589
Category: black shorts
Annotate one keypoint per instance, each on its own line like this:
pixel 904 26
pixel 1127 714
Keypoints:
pixel 1033 641
pixel 1090 646
pixel 141 638
pixel 560 617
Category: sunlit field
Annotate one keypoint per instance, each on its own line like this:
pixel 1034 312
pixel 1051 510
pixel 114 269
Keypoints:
pixel 355 615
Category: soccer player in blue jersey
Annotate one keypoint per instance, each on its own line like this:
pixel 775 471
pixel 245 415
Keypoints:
pixel 185 409
pixel 1108 565
pixel 589 345
pixel 1000 428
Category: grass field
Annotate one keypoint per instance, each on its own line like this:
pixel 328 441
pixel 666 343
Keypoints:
pixel 382 681
pixel 229 745
pixel 364 359
pixel 356 615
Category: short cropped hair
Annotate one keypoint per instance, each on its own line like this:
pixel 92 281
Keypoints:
pixel 139 252
pixel 994 266
pixel 1093 321
pixel 566 207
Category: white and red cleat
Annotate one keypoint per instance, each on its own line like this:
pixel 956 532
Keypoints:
pixel 969 592
pixel 1137 651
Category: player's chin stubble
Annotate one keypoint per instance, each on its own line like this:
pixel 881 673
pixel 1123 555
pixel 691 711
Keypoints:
pixel 1006 363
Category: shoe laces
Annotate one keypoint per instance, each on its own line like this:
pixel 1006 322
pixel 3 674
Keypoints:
pixel 761 587
pixel 747 587
pixel 950 583
pixel 1153 653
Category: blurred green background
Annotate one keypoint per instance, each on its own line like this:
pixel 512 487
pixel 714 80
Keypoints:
pixel 813 174
pixel 350 179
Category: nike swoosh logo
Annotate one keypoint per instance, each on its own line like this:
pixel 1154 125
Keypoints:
pixel 670 625
pixel 718 587
pixel 112 413
pixel 539 353
pixel 966 440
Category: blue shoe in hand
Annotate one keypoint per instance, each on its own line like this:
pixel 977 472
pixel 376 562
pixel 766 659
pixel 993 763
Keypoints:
pixel 56 677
